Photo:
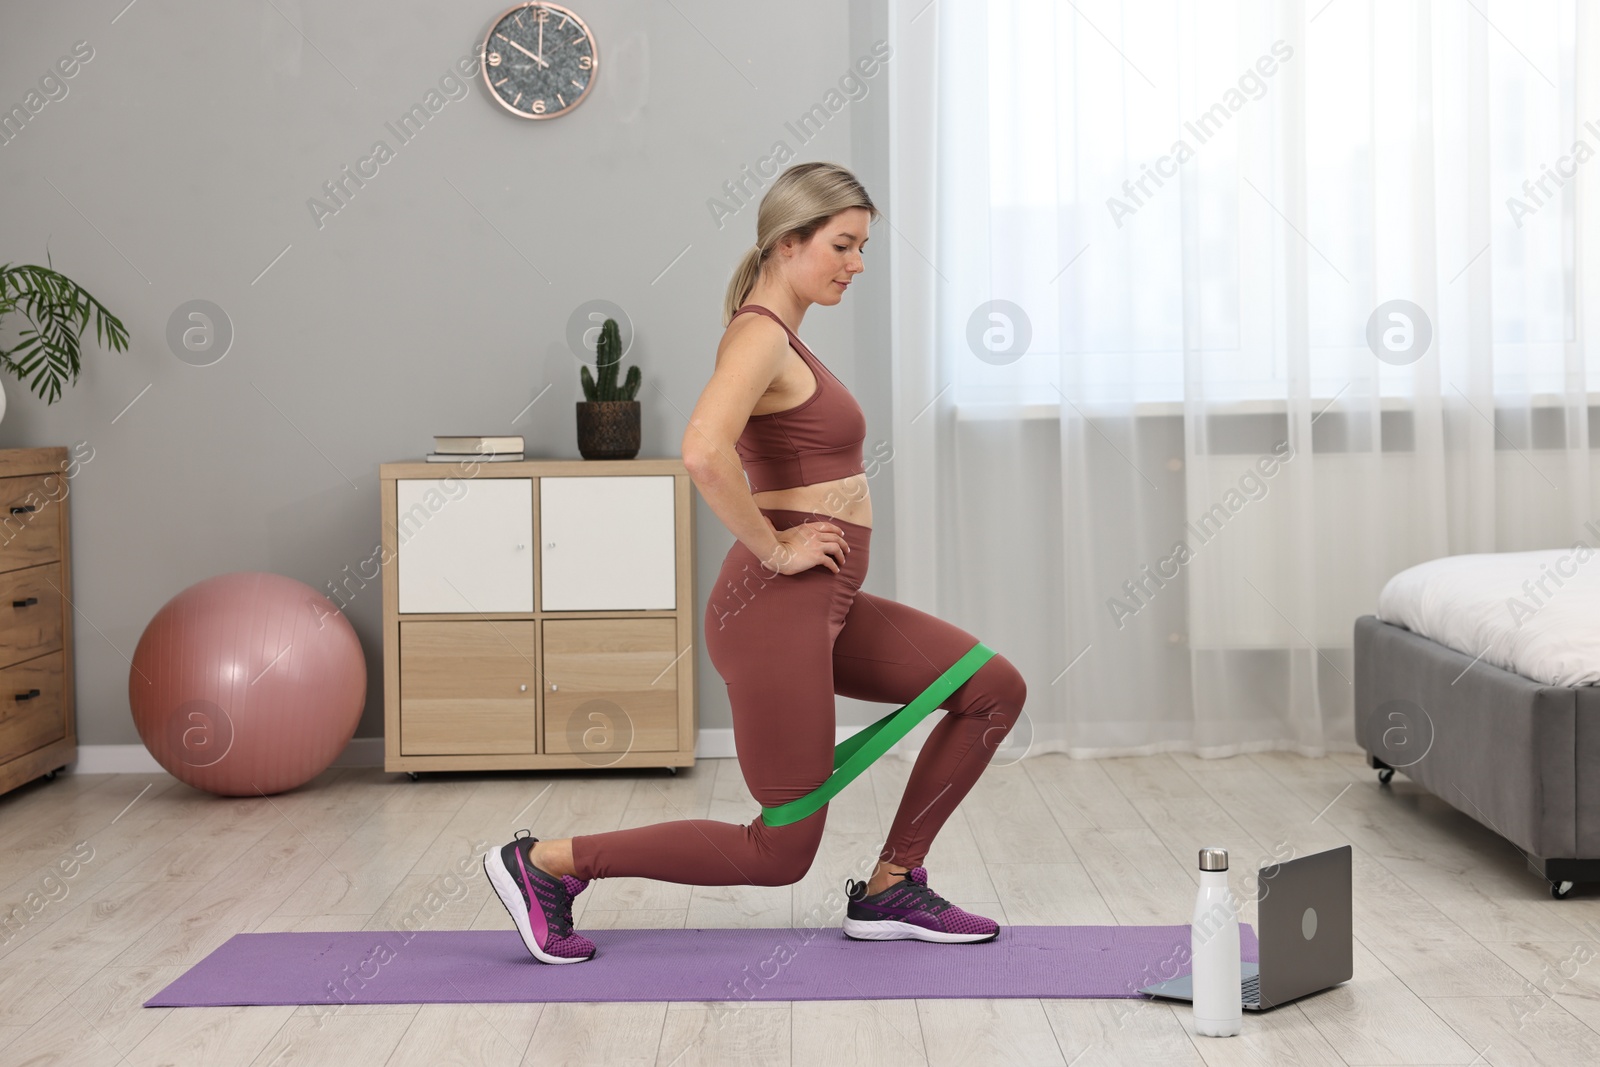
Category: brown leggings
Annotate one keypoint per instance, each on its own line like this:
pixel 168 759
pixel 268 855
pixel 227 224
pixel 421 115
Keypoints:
pixel 785 644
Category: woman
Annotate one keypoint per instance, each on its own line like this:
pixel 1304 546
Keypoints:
pixel 789 626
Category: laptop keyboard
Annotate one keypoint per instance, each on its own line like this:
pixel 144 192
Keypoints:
pixel 1250 988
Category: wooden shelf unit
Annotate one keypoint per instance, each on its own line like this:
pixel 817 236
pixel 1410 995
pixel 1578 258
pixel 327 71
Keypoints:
pixel 538 615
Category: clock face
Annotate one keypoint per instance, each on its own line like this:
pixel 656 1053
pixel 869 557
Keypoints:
pixel 539 60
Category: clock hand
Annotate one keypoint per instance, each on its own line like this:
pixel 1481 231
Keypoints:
pixel 537 59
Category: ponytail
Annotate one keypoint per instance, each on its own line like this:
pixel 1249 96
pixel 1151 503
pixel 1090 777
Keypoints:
pixel 744 280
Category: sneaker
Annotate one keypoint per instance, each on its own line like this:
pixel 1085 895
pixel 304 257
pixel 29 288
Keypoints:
pixel 540 904
pixel 909 910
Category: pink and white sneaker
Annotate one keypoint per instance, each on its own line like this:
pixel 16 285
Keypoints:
pixel 540 904
pixel 909 910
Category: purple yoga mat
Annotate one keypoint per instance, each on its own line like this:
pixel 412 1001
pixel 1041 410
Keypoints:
pixel 493 967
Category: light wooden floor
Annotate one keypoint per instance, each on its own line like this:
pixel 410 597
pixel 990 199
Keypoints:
pixel 1462 957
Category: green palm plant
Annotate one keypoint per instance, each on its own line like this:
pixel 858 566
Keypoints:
pixel 57 309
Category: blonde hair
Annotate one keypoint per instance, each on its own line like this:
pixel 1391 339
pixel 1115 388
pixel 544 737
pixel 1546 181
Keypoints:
pixel 802 198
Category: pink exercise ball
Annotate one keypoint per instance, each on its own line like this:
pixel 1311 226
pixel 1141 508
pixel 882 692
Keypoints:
pixel 247 684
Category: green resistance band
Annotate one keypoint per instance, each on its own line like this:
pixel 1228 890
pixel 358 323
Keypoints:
pixel 859 751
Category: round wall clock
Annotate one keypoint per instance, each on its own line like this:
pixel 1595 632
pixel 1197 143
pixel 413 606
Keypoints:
pixel 539 60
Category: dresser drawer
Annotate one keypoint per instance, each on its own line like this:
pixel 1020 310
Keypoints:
pixel 30 613
pixel 30 522
pixel 35 720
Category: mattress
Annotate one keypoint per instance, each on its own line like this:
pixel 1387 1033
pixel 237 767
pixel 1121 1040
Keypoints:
pixel 1534 613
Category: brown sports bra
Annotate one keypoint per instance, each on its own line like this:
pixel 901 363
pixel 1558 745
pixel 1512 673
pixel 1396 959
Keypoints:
pixel 818 440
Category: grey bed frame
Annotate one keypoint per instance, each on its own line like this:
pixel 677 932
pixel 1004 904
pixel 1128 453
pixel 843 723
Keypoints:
pixel 1520 756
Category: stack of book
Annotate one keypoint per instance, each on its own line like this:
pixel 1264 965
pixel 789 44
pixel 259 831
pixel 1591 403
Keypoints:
pixel 480 448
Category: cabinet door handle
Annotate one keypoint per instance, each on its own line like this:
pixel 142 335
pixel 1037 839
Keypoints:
pixel 23 510
pixel 24 603
pixel 29 695
pixel 554 687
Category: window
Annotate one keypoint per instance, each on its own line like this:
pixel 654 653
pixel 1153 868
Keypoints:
pixel 1119 170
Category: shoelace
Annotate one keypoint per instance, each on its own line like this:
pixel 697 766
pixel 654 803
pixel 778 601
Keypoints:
pixel 927 899
pixel 563 927
pixel 563 924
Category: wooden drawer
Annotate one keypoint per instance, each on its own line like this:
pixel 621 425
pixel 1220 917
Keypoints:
pixel 468 688
pixel 610 687
pixel 607 543
pixel 36 721
pixel 30 520
pixel 30 613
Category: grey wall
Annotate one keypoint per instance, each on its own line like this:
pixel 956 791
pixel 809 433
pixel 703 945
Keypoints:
pixel 179 165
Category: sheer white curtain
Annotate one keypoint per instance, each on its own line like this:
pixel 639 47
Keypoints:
pixel 1209 318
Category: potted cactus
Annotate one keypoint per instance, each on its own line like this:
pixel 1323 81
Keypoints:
pixel 608 420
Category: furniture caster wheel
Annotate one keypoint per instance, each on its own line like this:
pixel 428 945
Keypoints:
pixel 413 775
pixel 1561 890
pixel 1385 775
pixel 50 776
pixel 673 771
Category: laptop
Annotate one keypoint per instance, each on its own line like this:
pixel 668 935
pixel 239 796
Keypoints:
pixel 1304 930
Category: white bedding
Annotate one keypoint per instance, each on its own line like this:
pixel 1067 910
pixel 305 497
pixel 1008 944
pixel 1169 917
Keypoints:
pixel 1492 604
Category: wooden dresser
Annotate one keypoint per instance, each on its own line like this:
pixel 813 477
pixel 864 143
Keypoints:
pixel 538 614
pixel 38 734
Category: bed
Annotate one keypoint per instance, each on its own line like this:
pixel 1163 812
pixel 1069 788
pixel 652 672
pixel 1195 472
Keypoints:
pixel 1479 679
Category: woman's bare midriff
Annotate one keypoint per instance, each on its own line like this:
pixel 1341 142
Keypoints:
pixel 842 498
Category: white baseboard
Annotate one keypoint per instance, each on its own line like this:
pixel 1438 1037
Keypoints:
pixel 360 752
pixel 718 743
pixel 714 744
pixel 136 759
pixel 114 759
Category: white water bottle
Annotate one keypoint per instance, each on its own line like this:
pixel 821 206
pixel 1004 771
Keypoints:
pixel 1214 950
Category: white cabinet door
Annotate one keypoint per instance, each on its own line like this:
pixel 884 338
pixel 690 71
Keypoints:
pixel 608 543
pixel 466 545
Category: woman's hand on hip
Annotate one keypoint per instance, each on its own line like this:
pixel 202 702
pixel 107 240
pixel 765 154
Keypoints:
pixel 804 546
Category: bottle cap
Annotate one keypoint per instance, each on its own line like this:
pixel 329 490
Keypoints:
pixel 1213 859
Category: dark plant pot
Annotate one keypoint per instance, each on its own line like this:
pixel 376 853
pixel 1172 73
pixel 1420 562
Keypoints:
pixel 608 429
